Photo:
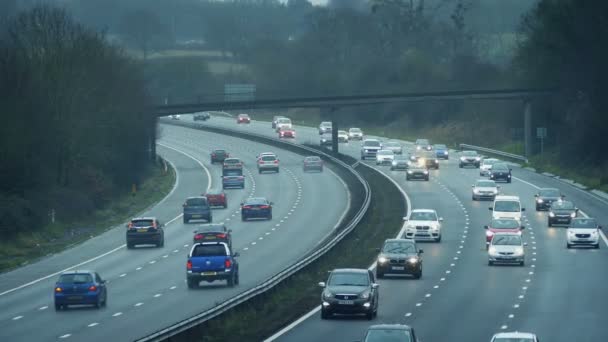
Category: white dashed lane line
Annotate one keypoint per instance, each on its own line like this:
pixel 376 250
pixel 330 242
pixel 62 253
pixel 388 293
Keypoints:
pixel 117 314
pixel 65 336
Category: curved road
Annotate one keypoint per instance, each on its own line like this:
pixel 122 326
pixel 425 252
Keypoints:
pixel 558 294
pixel 146 286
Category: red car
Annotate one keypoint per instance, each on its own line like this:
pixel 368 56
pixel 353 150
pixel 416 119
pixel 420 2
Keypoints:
pixel 502 226
pixel 287 133
pixel 216 198
pixel 243 118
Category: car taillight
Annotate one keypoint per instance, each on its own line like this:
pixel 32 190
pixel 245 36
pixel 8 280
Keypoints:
pixel 246 207
pixel 58 289
pixel 213 154
pixel 189 265
pixel 240 178
pixel 198 236
pixel 276 161
pixel 130 225
pixel 228 263
pixel 93 288
pixel 264 206
pixel 221 236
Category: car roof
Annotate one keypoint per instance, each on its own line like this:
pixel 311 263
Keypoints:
pixel 78 272
pixel 424 211
pixel 354 128
pixel 312 157
pixel 506 198
pixel 195 197
pixel 143 218
pixel 549 189
pixel 243 114
pixel 390 326
pixel 514 334
pixel 350 270
pixel 371 140
pixel 508 233
pixel 219 150
pixel 212 243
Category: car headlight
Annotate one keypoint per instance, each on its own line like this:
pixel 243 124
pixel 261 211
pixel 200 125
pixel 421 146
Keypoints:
pixel 492 250
pixel 594 233
pixel 540 200
pixel 410 228
pixel 551 214
pixel 477 159
pixel 462 158
pixel 495 191
pixel 328 294
pixel 573 215
pixel 394 163
pixel 382 260
pixel 519 251
pixel 446 152
pixel 489 233
pixel 364 295
pixel 323 140
pixel 426 172
pixel 418 147
pixel 570 232
pixel 410 172
pixel 412 260
pixel 436 160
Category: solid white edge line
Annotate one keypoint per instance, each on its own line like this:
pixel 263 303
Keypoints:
pixel 210 179
pixel 371 268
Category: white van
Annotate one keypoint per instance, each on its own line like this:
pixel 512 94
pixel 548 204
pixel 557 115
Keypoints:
pixel 507 207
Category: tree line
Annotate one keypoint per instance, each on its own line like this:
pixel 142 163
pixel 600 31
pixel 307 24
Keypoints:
pixel 75 129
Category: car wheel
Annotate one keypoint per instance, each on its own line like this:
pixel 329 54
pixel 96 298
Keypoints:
pixel 259 171
pixel 568 246
pixel 98 302
pixel 597 246
pixel 460 166
pixel 236 278
pixel 362 158
pixel 185 219
pixel 438 239
pixel 369 315
pixel 243 218
pixel 523 263
pixel 426 179
pixel 379 275
pixel 230 281
pixel 192 284
pixel 418 274
pixel 277 170
pixel 549 223
pixel 130 245
pixel 325 314
pixel 509 181
pixel 210 219
pixel 474 198
pixel 225 205
pixel 537 208
pixel 58 307
pixel 490 263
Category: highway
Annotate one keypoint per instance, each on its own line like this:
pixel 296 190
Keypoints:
pixel 558 294
pixel 146 286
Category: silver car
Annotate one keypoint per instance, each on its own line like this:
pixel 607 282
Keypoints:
pixel 342 136
pixel 400 162
pixel 485 189
pixel 583 231
pixel 514 336
pixel 268 162
pixel 506 248
pixel 393 146
pixel 385 157
pixel 370 147
pixel 326 139
pixel 355 134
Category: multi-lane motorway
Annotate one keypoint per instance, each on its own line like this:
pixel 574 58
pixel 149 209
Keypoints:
pixel 146 286
pixel 559 294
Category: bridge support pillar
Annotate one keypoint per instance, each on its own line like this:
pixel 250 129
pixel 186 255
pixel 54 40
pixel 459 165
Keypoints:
pixel 527 128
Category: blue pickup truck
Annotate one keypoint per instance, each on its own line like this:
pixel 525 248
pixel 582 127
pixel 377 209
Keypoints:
pixel 210 261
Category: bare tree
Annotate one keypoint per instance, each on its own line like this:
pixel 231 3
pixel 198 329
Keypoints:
pixel 144 29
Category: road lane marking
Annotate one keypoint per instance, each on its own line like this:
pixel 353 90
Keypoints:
pixel 139 304
pixel 92 324
pixel 17 318
pixel 117 314
pixel 65 336
pixel 43 308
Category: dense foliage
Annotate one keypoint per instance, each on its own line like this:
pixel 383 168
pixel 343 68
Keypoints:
pixel 74 127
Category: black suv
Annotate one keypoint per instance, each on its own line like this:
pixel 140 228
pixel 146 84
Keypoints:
pixel 500 172
pixel 197 208
pixel 213 233
pixel 561 212
pixel 349 291
pixel 546 196
pixel 399 256
pixel 204 116
pixel 145 230
pixel 218 156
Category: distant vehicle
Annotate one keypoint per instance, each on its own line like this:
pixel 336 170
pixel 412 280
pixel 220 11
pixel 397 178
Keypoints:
pixel 423 144
pixel 350 291
pixel 285 132
pixel 256 207
pixel 80 288
pixel 583 231
pixel 232 163
pixel 400 162
pixel 390 333
pixel 283 123
pixel 204 116
pixel 213 233
pixel 429 160
pixel 355 134
pixel 469 158
pixel 514 336
pixel 500 171
pixel 486 166
pixel 219 155
pixel 326 139
pixel 423 224
pixel 416 171
pixel 507 207
pixel 342 136
pixel 216 198
pixel 174 117
pixel 243 118
pixel 385 157
pixel 268 163
pixel 325 127
pixel 369 148
pixel 233 178
pixel 506 248
pixel 211 261
pixel 312 163
pixel 145 230
pixel 502 226
pixel 561 212
pixel 485 189
pixel 274 120
pixel 441 152
pixel 399 256
pixel 393 146
pixel 197 208
pixel 265 154
pixel 546 196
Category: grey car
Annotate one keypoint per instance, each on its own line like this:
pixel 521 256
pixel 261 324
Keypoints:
pixel 506 248
pixel 391 333
pixel 399 256
pixel 393 146
pixel 546 196
pixel 417 172
pixel 349 291
pixel 400 162
pixel 326 139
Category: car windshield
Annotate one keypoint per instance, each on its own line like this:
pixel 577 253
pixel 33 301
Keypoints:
pixel 549 193
pixel 506 240
pixel 485 184
pixel 209 250
pixel 423 216
pixel 326 124
pixel 388 335
pixel 400 157
pixel 233 172
pixel 142 223
pixel 490 161
pixel 385 152
pixel 583 223
pixel 392 144
pixel 355 130
pixel 211 228
pixel 440 147
pixel 422 142
pixel 313 159
pixel 77 278
pixel 469 154
pixel 562 205
pixel 256 201
pixel 342 133
pixel 348 279
pixel 500 167
pixel 399 247
pixel 504 224
pixel 513 339
pixel 284 120
pixel 268 158
pixel 507 206
pixel 372 143
pixel 196 201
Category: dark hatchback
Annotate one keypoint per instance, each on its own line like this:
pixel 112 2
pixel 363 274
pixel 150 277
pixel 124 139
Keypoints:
pixel 197 208
pixel 417 172
pixel 350 291
pixel 545 197
pixel 561 212
pixel 218 156
pixel 145 230
pixel 213 233
pixel 256 207
pixel 390 333
pixel 80 288
pixel 399 256
pixel 500 172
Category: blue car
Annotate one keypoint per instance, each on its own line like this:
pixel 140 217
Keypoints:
pixel 233 178
pixel 441 152
pixel 80 288
pixel 197 208
pixel 257 207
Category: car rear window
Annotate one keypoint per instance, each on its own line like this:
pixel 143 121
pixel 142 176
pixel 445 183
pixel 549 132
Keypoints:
pixel 268 158
pixel 142 223
pixel 507 206
pixel 372 143
pixel 388 335
pixel 232 172
pixel 313 159
pixel 76 278
pixel 196 201
pixel 212 228
pixel 209 250
pixel 255 201
pixel 550 193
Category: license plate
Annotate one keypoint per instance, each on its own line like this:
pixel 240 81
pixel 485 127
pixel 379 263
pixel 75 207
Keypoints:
pixel 196 216
pixel 142 230
pixel 398 268
pixel 208 273
pixel 346 302
pixel 210 237
pixel 75 297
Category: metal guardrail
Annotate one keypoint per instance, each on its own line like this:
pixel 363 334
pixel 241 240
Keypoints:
pixel 285 273
pixel 496 152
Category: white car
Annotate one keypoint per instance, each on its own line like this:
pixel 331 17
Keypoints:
pixel 283 123
pixel 486 166
pixel 355 134
pixel 507 207
pixel 583 231
pixel 424 225
pixel 514 336
pixel 265 154
pixel 506 248
pixel 342 136
pixel 385 157
pixel 485 189
pixel 325 127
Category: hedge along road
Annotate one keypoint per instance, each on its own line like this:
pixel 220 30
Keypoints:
pixel 457 282
pixel 146 286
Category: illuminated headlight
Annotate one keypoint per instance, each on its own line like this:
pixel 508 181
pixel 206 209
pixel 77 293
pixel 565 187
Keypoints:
pixel 367 305
pixel 489 233
pixel 551 214
pixel 509 176
pixel 426 172
pixel 327 294
pixel 410 172
pixel 475 191
pixel 394 163
pixel 382 260
pixel 323 140
pixel 495 191
pixel 540 200
pixel 462 158
pixel 519 251
pixel 492 250
pixel 412 260
pixel 573 215
pixel 477 159
pixel 446 152
pixel 436 160
pixel 364 295
pixel 418 147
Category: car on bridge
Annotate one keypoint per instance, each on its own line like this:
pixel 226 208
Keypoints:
pixel 423 225
pixel 350 291
pixel 546 196
pixel 197 208
pixel 145 230
pixel 416 171
pixel 506 248
pixel 502 226
pixel 561 212
pixel 390 332
pixel 583 231
pixel 243 118
pixel 80 287
pixel 211 261
pixel 469 158
pixel 500 171
pixel 325 127
pixel 283 123
pixel 514 336
pixel 213 233
pixel 484 189
pixel 326 139
pixel 219 155
pixel 342 136
pixel 174 116
pixel 256 207
pixel 399 256
pixel 204 116
pixel 274 120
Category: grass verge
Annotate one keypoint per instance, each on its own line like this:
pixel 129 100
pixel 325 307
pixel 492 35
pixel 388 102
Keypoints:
pixel 53 238
pixel 262 316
